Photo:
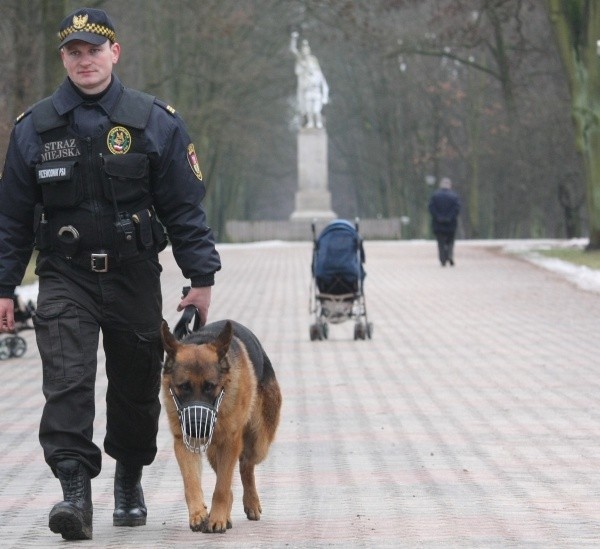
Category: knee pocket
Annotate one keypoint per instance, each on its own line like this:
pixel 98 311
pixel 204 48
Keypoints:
pixel 135 358
pixel 58 335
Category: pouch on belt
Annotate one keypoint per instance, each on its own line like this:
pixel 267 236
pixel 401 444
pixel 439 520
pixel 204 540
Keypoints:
pixel 143 223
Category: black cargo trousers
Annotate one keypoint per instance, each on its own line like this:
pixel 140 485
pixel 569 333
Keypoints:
pixel 74 306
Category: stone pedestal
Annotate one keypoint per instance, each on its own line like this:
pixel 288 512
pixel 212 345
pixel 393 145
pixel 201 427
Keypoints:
pixel 313 199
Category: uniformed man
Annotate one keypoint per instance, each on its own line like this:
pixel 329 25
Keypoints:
pixel 92 174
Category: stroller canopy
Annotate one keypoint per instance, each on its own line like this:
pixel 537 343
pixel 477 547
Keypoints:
pixel 338 258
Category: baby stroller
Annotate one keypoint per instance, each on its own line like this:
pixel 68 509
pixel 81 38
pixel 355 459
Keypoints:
pixel 337 280
pixel 13 345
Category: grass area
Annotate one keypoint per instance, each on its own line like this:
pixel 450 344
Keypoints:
pixel 576 256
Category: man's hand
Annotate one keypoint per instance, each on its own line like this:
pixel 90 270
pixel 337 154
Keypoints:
pixel 7 314
pixel 199 298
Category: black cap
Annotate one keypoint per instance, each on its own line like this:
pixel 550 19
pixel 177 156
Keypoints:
pixel 87 24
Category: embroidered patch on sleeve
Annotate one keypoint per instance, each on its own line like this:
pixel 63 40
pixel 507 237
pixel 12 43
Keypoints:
pixel 193 160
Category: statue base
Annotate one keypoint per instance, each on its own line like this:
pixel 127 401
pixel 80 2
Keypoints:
pixel 304 215
pixel 313 200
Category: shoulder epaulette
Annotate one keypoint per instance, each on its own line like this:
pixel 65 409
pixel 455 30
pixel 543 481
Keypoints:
pixel 168 108
pixel 23 115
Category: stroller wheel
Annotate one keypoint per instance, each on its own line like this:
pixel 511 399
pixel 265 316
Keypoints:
pixel 4 349
pixel 324 331
pixel 314 332
pixel 359 331
pixel 370 330
pixel 18 346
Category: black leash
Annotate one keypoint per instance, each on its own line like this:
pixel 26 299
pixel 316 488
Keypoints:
pixel 190 313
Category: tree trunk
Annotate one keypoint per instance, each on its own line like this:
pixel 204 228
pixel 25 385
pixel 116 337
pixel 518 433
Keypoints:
pixel 52 14
pixel 577 27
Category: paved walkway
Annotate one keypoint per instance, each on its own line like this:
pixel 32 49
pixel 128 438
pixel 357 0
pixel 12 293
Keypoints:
pixel 471 419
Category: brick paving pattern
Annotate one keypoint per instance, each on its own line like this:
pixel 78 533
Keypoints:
pixel 471 419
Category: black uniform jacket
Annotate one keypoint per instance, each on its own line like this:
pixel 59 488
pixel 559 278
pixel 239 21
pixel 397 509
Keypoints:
pixel 176 187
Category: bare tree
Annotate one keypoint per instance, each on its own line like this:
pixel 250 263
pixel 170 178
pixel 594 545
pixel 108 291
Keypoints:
pixel 577 26
pixel 473 89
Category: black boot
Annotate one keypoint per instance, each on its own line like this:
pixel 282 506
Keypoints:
pixel 72 518
pixel 130 508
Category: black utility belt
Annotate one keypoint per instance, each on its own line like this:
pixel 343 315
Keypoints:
pixel 103 261
pixel 130 235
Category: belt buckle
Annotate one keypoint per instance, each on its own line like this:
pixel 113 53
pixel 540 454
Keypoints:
pixel 99 263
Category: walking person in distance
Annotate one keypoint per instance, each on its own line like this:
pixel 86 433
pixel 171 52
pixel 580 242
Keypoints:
pixel 444 207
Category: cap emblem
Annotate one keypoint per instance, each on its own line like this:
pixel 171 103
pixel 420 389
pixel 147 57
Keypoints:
pixel 80 21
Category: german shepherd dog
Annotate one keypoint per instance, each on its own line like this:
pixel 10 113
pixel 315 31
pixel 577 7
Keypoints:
pixel 222 363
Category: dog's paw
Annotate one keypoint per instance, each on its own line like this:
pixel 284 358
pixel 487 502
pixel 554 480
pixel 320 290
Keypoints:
pixel 253 513
pixel 197 521
pixel 212 526
pixel 252 507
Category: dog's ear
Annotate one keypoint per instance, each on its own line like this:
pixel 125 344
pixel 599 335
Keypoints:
pixel 170 344
pixel 223 340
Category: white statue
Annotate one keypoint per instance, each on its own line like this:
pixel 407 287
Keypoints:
pixel 313 91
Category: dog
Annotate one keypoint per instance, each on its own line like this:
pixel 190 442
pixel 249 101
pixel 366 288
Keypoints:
pixel 221 366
